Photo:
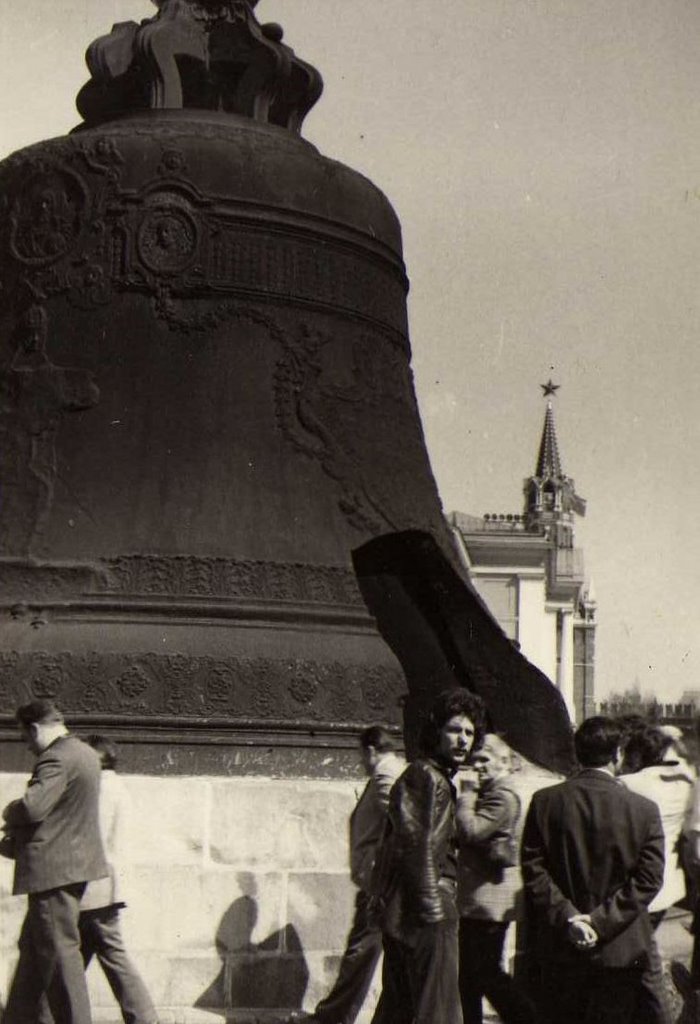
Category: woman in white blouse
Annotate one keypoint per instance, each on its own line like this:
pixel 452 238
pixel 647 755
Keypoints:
pixel 660 776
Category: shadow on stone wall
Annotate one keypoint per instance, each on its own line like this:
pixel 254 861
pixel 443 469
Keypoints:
pixel 272 974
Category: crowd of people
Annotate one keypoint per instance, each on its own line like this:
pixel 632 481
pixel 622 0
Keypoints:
pixel 587 868
pixel 445 851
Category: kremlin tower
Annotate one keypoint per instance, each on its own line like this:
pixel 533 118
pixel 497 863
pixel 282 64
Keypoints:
pixel 531 576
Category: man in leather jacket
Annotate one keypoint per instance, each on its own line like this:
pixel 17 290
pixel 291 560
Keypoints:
pixel 414 881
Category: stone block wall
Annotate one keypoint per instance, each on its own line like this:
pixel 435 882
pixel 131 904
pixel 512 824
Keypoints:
pixel 239 896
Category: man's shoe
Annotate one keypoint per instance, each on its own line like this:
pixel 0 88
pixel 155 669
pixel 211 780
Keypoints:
pixel 683 982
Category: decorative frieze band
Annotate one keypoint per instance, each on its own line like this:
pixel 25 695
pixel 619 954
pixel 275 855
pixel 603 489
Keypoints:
pixel 180 577
pixel 259 688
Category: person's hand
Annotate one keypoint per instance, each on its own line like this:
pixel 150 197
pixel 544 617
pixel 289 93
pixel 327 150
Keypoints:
pixel 581 933
pixel 7 844
pixel 467 781
pixel 6 810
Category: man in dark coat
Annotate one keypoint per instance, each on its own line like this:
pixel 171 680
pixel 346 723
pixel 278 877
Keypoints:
pixel 592 861
pixel 53 833
pixel 364 943
pixel 414 883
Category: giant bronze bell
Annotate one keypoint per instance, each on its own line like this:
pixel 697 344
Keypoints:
pixel 219 530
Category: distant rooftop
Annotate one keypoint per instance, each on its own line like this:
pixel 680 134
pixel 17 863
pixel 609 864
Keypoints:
pixel 491 522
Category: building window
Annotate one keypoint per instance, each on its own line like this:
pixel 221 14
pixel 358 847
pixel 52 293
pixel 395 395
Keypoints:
pixel 501 596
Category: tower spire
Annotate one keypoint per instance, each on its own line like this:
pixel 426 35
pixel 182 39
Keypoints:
pixel 548 460
pixel 550 495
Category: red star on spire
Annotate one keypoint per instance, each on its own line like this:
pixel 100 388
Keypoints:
pixel 549 388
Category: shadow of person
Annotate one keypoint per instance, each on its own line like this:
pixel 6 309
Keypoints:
pixel 268 975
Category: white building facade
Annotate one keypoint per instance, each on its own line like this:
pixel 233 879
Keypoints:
pixel 531 576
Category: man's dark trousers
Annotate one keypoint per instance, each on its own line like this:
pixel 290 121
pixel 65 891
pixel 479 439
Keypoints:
pixel 364 945
pixel 573 994
pixel 420 980
pixel 481 974
pixel 50 960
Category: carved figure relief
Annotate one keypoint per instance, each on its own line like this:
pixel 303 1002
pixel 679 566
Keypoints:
pixel 46 216
pixel 348 403
pixel 54 230
pixel 34 395
pixel 167 237
pixel 173 161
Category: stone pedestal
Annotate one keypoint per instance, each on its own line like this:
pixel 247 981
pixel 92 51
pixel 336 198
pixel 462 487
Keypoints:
pixel 238 895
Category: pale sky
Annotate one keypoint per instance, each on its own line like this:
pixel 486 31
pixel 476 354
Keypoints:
pixel 544 158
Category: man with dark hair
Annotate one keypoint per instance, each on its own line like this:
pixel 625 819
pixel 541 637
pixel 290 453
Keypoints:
pixel 597 741
pixel 55 838
pixel 107 751
pixel 364 944
pixel 415 878
pixel 592 861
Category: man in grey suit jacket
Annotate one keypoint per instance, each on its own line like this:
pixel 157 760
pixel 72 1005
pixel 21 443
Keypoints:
pixel 364 943
pixel 54 834
pixel 592 861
